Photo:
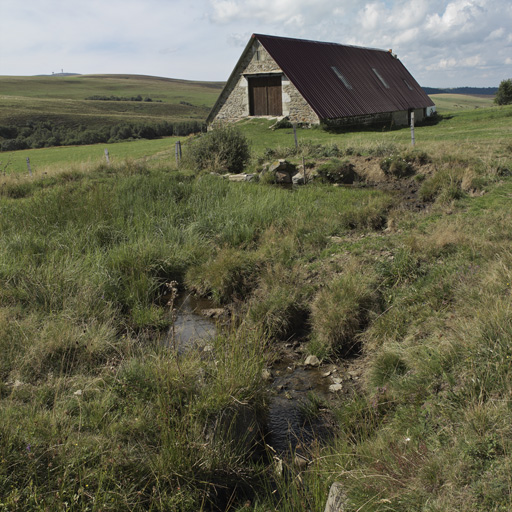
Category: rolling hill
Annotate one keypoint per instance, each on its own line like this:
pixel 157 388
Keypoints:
pixel 62 99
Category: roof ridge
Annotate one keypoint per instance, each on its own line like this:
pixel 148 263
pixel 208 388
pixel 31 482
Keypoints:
pixel 269 36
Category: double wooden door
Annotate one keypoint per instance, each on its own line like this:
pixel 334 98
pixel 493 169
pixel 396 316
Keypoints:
pixel 265 96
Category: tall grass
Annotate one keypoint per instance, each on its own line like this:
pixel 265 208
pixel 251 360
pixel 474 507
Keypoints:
pixel 99 412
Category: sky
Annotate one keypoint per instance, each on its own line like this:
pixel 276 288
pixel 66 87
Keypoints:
pixel 442 43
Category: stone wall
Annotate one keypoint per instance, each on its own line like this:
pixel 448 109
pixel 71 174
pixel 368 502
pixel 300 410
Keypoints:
pixel 235 98
pixel 402 118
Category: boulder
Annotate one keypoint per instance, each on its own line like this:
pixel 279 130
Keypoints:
pixel 298 179
pixel 283 171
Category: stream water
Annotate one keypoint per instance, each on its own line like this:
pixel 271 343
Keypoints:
pixel 191 327
pixel 295 390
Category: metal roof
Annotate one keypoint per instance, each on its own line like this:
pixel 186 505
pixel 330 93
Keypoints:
pixel 343 81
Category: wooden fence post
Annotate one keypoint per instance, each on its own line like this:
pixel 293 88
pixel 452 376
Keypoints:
pixel 177 149
pixel 295 134
pixel 413 141
pixel 29 167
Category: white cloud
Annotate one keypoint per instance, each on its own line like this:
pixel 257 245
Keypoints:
pixel 371 16
pixel 496 34
pixel 289 12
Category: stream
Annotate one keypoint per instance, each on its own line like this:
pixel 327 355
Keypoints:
pixel 296 391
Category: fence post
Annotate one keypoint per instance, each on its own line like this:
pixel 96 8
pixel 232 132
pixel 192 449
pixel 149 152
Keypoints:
pixel 295 134
pixel 413 141
pixel 29 167
pixel 107 156
pixel 177 149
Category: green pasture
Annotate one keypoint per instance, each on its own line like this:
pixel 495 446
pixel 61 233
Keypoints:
pixel 81 86
pixel 42 160
pixel 17 110
pixel 62 100
pixel 470 132
pixel 455 102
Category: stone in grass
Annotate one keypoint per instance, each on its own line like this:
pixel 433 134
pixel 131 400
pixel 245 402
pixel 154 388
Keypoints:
pixel 266 375
pixel 240 177
pixel 283 171
pixel 337 500
pixel 312 360
pixel 335 388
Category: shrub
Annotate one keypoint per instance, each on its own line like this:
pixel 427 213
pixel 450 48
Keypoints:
pixel 337 171
pixel 396 165
pixel 223 149
pixel 504 94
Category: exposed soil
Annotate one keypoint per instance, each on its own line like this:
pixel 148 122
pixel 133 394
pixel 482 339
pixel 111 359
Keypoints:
pixel 406 189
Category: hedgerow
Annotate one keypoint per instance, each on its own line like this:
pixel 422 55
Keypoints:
pixel 44 134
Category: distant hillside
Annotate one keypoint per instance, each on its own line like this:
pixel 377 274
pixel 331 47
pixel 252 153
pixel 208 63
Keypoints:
pixel 487 91
pixel 47 110
pixel 64 100
pixel 451 102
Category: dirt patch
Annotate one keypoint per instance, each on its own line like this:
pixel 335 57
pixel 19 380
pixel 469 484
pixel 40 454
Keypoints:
pixel 369 174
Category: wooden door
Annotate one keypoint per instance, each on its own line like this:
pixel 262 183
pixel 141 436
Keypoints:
pixel 265 97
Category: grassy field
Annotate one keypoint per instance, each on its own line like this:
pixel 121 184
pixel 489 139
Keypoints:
pixel 99 412
pixel 63 99
pixel 470 132
pixel 454 102
pixel 48 159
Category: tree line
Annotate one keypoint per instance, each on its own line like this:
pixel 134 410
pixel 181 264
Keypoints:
pixel 42 134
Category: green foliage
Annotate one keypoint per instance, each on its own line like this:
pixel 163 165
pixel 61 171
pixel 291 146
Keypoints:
pixel 387 364
pixel 47 134
pixel 98 411
pixel 307 149
pixel 98 97
pixel 444 185
pixel 224 149
pixel 280 304
pixel 341 310
pixel 337 171
pixel 228 276
pixel 504 94
pixel 397 166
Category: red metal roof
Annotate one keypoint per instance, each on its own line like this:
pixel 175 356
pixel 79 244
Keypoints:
pixel 344 81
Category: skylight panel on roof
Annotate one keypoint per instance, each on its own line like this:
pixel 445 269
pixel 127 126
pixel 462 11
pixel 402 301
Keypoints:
pixel 408 85
pixel 346 83
pixel 379 76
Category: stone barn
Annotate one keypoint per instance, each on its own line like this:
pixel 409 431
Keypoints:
pixel 312 82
